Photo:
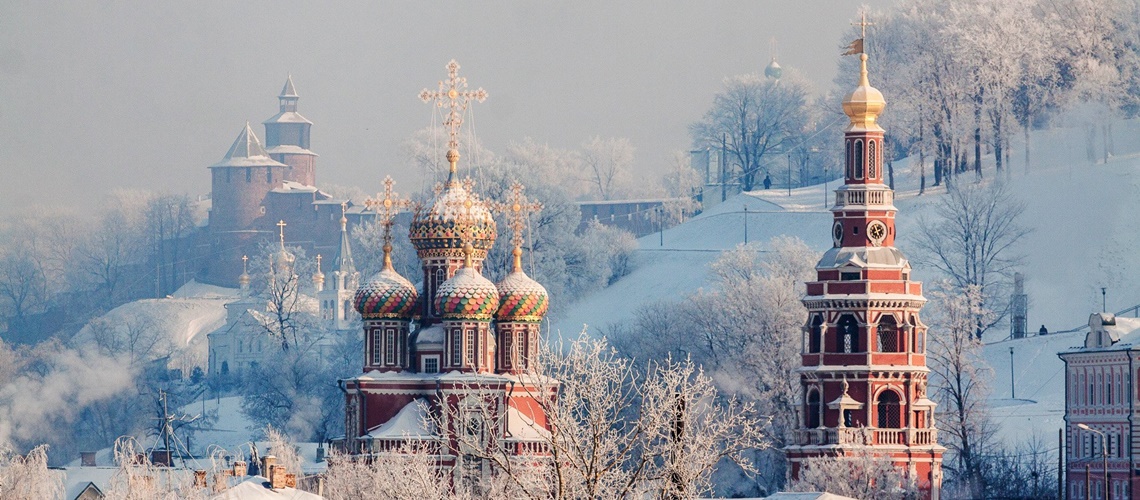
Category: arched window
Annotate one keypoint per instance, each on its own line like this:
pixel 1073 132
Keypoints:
pixel 871 163
pixel 889 409
pixel 889 338
pixel 859 159
pixel 848 334
pixel 850 160
pixel 814 333
pixel 813 409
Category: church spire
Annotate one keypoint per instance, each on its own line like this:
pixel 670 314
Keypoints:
pixel 288 98
pixel 343 261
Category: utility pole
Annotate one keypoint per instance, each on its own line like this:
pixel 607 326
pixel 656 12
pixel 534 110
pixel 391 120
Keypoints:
pixel 745 224
pixel 723 161
pixel 1012 386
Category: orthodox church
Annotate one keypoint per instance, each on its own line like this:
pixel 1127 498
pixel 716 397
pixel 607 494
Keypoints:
pixel 864 373
pixel 448 367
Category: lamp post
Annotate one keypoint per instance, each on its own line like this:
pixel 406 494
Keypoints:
pixel 1103 453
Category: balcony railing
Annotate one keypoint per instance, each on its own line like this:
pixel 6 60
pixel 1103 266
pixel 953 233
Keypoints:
pixel 865 435
pixel 864 197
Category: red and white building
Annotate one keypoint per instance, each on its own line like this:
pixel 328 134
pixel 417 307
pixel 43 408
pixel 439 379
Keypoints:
pixel 1100 393
pixel 864 372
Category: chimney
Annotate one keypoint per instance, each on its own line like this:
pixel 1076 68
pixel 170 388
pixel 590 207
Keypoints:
pixel 239 468
pixel 220 481
pixel 199 479
pixel 290 478
pixel 267 462
pixel 277 476
pixel 87 459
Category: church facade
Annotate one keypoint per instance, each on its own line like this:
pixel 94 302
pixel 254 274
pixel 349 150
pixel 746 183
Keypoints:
pixel 863 371
pixel 449 367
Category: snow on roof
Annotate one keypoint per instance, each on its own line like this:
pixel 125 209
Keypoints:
pixel 289 90
pixel 1111 332
pixel 289 149
pixel 76 479
pixel 522 427
pixel 431 335
pixel 293 186
pixel 288 117
pixel 247 151
pixel 412 421
pixel 814 495
pixel 253 488
pixel 873 257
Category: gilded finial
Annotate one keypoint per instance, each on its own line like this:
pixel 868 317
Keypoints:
pixel 343 216
pixel 517 208
pixel 468 254
pixel 387 257
pixel 454 94
pixel 281 230
pixel 864 104
pixel 386 206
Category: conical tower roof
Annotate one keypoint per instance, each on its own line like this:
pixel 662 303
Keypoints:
pixel 289 90
pixel 247 151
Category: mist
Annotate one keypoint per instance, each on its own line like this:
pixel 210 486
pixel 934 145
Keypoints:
pixel 97 95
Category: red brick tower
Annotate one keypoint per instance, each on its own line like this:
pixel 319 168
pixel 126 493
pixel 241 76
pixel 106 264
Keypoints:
pixel 239 185
pixel 864 373
pixel 287 138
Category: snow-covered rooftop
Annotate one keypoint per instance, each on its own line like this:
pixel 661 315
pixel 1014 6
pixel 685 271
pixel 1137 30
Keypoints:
pixel 412 421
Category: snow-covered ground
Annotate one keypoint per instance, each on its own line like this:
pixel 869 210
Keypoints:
pixel 180 321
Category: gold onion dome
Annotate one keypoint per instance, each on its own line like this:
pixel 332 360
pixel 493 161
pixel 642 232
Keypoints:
pixel 520 297
pixel 455 214
pixel 467 295
pixel 386 295
pixel 864 104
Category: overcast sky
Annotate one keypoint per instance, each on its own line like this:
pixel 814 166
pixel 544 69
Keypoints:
pixel 144 94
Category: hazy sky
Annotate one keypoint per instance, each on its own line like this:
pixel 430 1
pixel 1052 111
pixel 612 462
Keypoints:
pixel 144 94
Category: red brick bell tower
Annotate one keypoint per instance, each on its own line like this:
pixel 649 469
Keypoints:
pixel 863 372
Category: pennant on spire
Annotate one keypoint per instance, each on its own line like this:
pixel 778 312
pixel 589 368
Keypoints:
pixel 855 47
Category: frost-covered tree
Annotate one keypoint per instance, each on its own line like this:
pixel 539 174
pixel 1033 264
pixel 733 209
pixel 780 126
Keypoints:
pixel 754 118
pixel 607 163
pixel 959 376
pixel 972 239
pixel 139 479
pixel 409 472
pixel 27 477
pixel 860 474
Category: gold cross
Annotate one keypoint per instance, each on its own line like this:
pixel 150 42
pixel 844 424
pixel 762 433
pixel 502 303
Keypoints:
pixel 387 207
pixel 517 208
pixel 862 24
pixel 318 263
pixel 343 216
pixel 281 228
pixel 244 259
pixel 452 92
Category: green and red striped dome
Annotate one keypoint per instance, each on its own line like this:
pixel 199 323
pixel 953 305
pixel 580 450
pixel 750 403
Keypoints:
pixel 521 298
pixel 386 295
pixel 467 295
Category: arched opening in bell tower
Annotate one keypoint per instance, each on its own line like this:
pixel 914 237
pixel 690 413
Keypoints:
pixel 813 409
pixel 848 338
pixel 890 339
pixel 889 408
pixel 815 333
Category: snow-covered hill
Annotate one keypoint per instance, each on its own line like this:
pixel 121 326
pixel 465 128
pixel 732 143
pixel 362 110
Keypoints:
pixel 1085 236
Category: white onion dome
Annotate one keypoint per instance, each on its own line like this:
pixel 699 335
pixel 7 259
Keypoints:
pixel 773 70
pixel 386 295
pixel 467 295
pixel 864 104
pixel 455 214
pixel 520 297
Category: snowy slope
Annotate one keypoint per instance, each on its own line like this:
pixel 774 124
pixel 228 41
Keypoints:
pixel 1085 236
pixel 181 321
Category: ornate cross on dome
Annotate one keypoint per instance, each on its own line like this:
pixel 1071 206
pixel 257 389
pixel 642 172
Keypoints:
pixel 453 93
pixel 517 208
pixel 465 224
pixel 281 230
pixel 387 207
pixel 343 215
pixel 862 24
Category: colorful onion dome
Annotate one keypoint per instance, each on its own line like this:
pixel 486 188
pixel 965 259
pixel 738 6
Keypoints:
pixel 520 297
pixel 467 295
pixel 455 215
pixel 386 295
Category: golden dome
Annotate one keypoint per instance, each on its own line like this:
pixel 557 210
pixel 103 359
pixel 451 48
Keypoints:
pixel 865 103
pixel 456 214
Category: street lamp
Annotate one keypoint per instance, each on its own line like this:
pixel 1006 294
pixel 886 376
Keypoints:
pixel 1103 453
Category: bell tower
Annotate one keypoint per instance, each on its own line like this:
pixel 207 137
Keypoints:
pixel 863 372
pixel 287 138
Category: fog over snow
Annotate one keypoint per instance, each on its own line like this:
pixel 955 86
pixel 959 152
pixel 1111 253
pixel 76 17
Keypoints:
pixel 97 95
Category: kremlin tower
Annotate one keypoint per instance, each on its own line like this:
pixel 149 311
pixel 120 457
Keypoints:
pixel 452 353
pixel 863 372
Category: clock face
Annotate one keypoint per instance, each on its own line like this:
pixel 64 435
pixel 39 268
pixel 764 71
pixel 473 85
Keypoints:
pixel 837 234
pixel 876 231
